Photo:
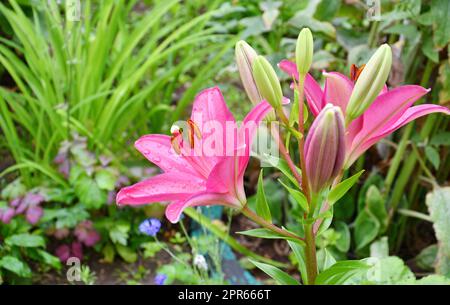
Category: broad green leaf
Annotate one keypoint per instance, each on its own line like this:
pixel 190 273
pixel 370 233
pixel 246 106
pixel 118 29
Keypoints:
pixel 343 242
pixel 440 138
pixel 366 228
pixel 298 197
pixel 262 208
pixel 438 202
pixel 25 240
pixel 440 10
pixel 15 265
pixel 90 193
pixel 108 253
pixel 278 275
pixel 305 18
pixel 427 257
pixel 429 50
pixel 433 156
pixel 151 248
pixel 128 254
pixel 325 259
pixel 390 270
pixel 119 233
pixel 373 179
pixel 380 248
pixel 13 190
pixel 375 204
pixel 434 279
pixel 339 190
pixel 341 272
pixel 105 179
pixel 299 252
pixel 49 259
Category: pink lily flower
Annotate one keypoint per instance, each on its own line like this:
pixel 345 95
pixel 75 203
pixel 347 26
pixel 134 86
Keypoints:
pixel 391 110
pixel 190 176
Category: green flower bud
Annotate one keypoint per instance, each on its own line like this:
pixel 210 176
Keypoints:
pixel 267 82
pixel 245 55
pixel 304 51
pixel 370 82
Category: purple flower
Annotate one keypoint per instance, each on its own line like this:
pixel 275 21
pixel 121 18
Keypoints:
pixel 7 215
pixel 86 233
pixel 150 226
pixel 64 252
pixel 33 214
pixel 160 279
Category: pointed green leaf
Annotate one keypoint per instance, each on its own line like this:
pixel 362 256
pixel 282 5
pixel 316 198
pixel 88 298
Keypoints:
pixel 298 197
pixel 341 271
pixel 15 265
pixel 325 259
pixel 299 252
pixel 339 190
pixel 433 156
pixel 279 164
pixel 262 208
pixel 278 275
pixel 266 233
pixel 25 240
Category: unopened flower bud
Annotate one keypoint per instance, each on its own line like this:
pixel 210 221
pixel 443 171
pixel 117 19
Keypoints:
pixel 267 82
pixel 245 55
pixel 370 82
pixel 325 147
pixel 304 51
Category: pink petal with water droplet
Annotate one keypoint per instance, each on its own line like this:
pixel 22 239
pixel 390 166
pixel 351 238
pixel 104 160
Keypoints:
pixel 164 187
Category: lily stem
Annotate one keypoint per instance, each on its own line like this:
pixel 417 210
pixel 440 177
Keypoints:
pixel 310 254
pixel 263 223
pixel 310 239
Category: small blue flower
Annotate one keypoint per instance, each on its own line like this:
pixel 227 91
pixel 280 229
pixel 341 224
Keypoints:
pixel 150 226
pixel 160 279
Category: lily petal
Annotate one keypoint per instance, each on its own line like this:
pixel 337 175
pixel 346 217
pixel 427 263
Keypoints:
pixel 174 210
pixel 247 131
pixel 313 92
pixel 409 115
pixel 210 105
pixel 338 89
pixel 384 112
pixel 164 187
pixel 222 177
pixel 157 149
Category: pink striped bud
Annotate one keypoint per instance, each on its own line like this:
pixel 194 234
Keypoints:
pixel 325 147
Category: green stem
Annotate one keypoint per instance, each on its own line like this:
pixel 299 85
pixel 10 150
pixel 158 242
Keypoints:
pixel 373 34
pixel 415 214
pixel 310 253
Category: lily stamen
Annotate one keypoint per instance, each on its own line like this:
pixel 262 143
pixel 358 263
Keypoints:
pixel 355 71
